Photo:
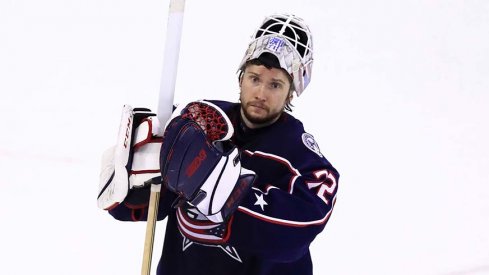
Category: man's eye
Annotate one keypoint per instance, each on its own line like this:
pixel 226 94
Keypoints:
pixel 276 85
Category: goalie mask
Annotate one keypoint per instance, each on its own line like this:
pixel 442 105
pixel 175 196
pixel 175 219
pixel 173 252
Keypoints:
pixel 289 39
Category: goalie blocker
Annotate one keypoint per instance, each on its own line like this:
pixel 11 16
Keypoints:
pixel 199 162
pixel 133 160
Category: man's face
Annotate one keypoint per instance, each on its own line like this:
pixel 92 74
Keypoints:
pixel 264 93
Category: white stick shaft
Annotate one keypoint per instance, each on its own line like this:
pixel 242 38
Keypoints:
pixel 165 108
pixel 170 57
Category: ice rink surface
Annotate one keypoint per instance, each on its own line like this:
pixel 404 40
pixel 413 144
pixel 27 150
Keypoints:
pixel 399 103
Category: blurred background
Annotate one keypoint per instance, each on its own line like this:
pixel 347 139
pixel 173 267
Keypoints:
pixel 398 103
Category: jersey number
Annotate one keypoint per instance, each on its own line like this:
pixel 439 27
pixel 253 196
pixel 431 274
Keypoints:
pixel 326 182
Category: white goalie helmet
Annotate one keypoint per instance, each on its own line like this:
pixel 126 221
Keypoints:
pixel 288 38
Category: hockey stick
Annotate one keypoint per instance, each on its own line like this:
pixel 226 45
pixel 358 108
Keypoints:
pixel 165 108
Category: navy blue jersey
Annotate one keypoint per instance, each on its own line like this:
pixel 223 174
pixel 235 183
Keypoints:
pixel 270 233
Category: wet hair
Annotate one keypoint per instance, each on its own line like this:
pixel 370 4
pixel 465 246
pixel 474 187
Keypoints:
pixel 269 63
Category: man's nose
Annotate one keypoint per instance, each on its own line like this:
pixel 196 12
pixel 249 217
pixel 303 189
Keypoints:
pixel 260 92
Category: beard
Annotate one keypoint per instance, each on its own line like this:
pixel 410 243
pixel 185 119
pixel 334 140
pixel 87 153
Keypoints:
pixel 259 120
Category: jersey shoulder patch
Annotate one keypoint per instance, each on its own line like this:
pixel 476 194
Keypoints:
pixel 311 143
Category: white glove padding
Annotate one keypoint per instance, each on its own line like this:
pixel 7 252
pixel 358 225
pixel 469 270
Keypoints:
pixel 146 152
pixel 200 164
pixel 227 191
pixel 133 160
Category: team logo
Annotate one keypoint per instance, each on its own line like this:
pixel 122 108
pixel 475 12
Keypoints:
pixel 196 229
pixel 311 144
pixel 275 44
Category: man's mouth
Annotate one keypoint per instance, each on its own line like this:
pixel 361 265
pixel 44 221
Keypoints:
pixel 257 105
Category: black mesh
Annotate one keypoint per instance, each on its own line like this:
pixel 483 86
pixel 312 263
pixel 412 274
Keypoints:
pixel 293 32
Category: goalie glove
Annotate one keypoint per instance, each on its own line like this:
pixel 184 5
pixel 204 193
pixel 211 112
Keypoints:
pixel 199 162
pixel 133 160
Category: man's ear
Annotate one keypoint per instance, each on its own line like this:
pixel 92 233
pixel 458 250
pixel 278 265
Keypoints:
pixel 290 97
pixel 240 79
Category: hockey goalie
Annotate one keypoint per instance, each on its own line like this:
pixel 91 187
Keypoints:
pixel 245 188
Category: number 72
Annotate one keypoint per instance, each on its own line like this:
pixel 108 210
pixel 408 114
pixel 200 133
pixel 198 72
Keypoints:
pixel 326 182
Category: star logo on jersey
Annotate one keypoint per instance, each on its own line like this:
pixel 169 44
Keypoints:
pixel 229 250
pixel 260 201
